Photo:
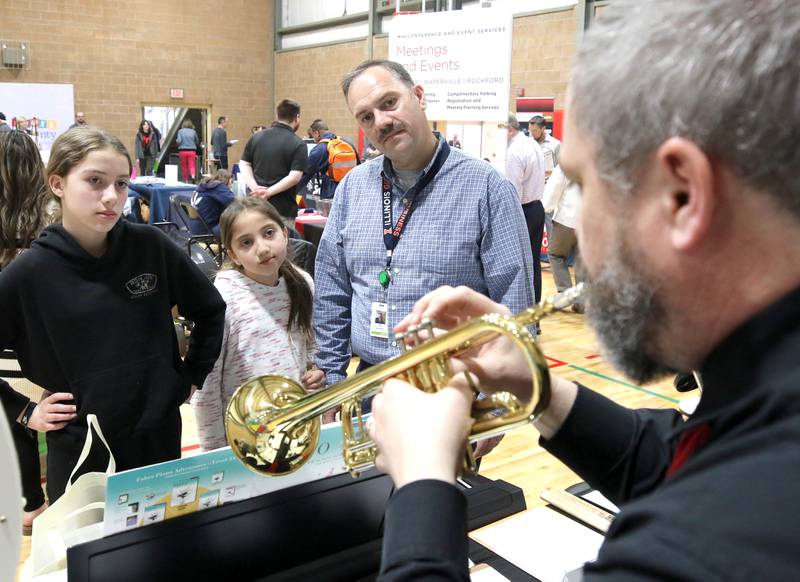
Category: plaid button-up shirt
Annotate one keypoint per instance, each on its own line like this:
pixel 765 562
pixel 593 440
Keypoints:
pixel 467 228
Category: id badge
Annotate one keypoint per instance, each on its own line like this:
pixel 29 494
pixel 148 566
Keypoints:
pixel 378 320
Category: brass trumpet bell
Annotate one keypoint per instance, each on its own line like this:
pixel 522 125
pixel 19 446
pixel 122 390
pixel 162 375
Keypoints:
pixel 273 451
pixel 273 426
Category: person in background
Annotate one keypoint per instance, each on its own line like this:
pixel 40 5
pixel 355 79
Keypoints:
pixel 551 147
pixel 454 142
pixel 525 170
pixel 212 197
pixel 156 135
pixel 80 120
pixel 268 317
pixel 678 280
pixel 369 151
pixel 21 124
pixel 188 142
pixel 110 349
pixel 220 143
pixel 3 125
pixel 274 160
pixel 23 204
pixel 319 159
pixel 563 201
pixel 145 148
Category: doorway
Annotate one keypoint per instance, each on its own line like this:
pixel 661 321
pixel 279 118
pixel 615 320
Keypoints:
pixel 168 119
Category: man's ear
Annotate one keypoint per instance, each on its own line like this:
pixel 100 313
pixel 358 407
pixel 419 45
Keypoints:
pixel 56 184
pixel 419 93
pixel 690 197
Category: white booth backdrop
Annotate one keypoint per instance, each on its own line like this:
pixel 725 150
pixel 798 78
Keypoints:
pixel 52 104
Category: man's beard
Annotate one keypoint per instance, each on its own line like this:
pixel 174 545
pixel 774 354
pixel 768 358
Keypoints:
pixel 625 311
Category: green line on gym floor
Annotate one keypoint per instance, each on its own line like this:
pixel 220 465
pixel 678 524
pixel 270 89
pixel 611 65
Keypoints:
pixel 628 384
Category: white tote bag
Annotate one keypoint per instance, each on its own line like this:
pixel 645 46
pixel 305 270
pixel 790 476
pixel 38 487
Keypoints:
pixel 76 517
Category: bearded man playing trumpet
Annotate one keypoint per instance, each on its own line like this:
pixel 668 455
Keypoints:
pixel 690 235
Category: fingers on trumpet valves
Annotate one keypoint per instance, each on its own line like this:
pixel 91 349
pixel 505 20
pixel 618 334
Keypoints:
pixel 412 337
pixel 441 371
pixel 429 372
pixel 426 325
pixel 416 334
pixel 471 383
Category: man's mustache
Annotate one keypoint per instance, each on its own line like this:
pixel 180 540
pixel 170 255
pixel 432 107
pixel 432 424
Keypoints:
pixel 387 131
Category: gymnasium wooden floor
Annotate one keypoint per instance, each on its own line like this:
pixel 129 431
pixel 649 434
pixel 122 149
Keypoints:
pixel 572 351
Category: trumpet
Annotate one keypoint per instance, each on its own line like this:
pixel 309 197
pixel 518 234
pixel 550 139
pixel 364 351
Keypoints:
pixel 273 425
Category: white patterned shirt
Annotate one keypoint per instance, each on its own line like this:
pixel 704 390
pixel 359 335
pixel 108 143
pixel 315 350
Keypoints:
pixel 255 342
pixel 525 168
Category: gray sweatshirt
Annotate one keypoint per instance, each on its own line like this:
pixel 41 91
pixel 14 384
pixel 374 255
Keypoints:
pixel 187 139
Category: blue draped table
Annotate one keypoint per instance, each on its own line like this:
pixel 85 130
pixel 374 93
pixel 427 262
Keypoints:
pixel 158 195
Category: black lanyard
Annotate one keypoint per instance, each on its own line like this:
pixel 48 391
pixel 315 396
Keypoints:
pixel 391 234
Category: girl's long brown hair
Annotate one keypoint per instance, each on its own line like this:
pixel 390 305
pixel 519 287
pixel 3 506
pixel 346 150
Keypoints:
pixel 299 292
pixel 23 193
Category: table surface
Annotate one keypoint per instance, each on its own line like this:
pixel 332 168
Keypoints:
pixel 146 188
pixel 313 232
pixel 304 220
pixel 158 196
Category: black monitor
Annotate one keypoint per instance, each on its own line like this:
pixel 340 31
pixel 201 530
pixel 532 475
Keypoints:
pixel 260 538
pixel 327 530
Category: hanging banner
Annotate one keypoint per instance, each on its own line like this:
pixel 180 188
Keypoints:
pixel 48 110
pixel 462 58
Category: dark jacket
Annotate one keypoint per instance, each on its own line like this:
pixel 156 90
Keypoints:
pixel 728 513
pixel 211 199
pixel 151 150
pixel 219 142
pixel 102 328
pixel 318 160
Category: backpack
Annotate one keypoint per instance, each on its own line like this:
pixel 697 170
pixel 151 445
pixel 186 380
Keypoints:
pixel 341 158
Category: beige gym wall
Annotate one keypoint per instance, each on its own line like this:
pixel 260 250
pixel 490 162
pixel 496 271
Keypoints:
pixel 118 59
pixel 120 55
pixel 543 48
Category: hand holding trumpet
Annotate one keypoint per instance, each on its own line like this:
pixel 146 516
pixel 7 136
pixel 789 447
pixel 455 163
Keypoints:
pixel 421 435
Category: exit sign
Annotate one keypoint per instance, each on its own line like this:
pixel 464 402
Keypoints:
pixel 176 93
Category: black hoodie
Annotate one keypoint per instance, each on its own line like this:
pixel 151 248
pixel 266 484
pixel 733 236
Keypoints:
pixel 102 328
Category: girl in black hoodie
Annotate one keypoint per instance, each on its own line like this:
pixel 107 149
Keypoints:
pixel 88 309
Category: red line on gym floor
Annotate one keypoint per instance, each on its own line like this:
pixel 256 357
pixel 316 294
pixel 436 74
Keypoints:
pixel 592 356
pixel 189 448
pixel 554 362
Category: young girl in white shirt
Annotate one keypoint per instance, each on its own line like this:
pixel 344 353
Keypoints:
pixel 268 318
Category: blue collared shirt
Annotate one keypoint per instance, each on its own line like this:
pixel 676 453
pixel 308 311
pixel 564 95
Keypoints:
pixel 467 228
